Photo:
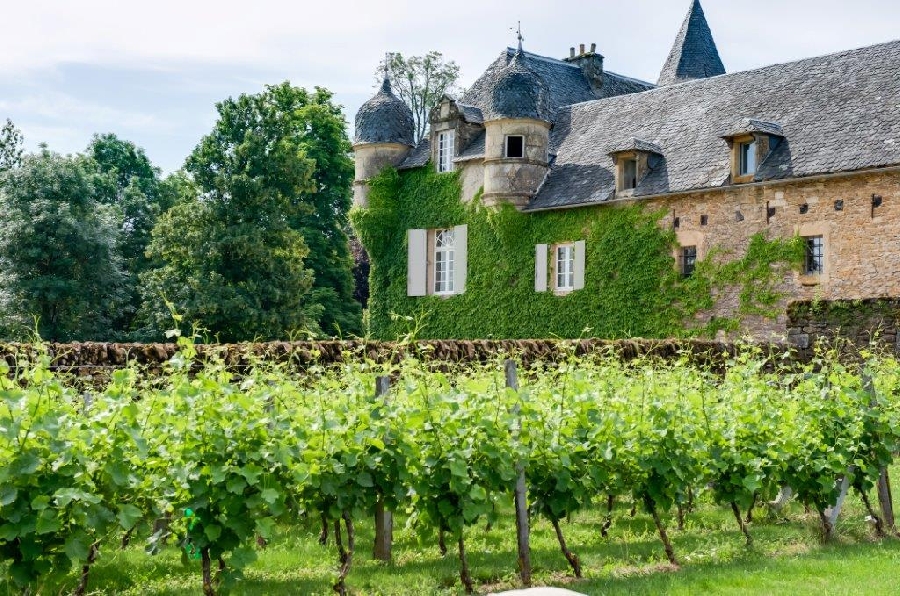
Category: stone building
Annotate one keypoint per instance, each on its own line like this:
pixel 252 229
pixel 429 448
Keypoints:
pixel 808 149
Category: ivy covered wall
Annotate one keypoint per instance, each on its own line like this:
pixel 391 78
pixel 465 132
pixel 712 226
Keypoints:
pixel 632 287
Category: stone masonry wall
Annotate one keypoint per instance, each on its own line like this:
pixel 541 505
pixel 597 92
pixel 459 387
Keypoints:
pixel 862 323
pixel 862 243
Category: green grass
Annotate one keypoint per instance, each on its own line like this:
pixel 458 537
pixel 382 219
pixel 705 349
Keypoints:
pixel 787 558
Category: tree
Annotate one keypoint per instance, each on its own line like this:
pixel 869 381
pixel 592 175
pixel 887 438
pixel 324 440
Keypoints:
pixel 420 81
pixel 233 257
pixel 11 150
pixel 131 184
pixel 58 259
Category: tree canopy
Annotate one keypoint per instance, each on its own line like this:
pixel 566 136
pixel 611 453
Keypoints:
pixel 272 182
pixel 58 258
pixel 420 81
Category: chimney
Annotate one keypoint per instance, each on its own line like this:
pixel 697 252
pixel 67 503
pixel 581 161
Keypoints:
pixel 591 64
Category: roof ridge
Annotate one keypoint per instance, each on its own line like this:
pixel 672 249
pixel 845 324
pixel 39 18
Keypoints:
pixel 839 53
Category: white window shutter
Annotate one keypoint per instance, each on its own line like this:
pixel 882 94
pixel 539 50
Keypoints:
pixel 461 257
pixel 416 278
pixel 579 264
pixel 540 268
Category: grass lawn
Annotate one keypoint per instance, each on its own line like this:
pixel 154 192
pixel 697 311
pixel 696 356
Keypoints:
pixel 787 558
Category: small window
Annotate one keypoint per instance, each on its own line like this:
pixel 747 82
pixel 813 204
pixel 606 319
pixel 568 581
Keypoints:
pixel 446 142
pixel 565 267
pixel 815 255
pixel 688 260
pixel 747 153
pixel 515 146
pixel 629 174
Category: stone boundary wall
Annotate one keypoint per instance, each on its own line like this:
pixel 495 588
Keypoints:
pixel 93 358
pixel 861 323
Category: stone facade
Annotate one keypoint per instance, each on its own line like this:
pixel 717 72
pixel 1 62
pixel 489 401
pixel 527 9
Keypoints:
pixel 370 159
pixel 514 180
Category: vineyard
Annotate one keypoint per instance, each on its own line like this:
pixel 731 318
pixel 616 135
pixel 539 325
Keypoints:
pixel 216 463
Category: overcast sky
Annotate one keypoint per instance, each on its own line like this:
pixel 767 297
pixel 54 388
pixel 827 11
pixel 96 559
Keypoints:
pixel 151 72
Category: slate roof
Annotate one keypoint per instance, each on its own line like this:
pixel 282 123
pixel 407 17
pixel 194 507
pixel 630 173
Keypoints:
pixel 384 119
pixel 517 92
pixel 634 144
pixel 474 150
pixel 694 55
pixel 749 125
pixel 838 113
pixel 565 82
pixel 417 157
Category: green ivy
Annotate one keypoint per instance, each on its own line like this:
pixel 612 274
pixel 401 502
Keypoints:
pixel 632 287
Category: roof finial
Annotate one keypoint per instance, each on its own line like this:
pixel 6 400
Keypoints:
pixel 386 83
pixel 519 36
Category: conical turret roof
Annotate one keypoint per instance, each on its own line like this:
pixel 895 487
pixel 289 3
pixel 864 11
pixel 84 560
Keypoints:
pixel 694 55
pixel 385 119
pixel 519 92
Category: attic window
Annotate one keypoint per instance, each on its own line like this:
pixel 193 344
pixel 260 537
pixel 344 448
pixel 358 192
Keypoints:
pixel 629 173
pixel 747 152
pixel 515 146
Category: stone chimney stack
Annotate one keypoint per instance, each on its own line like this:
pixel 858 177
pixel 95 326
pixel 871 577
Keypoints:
pixel 591 64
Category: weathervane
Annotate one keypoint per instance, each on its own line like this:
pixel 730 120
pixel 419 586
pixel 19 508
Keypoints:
pixel 519 35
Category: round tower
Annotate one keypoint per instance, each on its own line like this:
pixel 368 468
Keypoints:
pixel 385 133
pixel 517 135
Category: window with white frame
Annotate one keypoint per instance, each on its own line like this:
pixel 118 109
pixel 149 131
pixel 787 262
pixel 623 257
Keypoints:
pixel 747 154
pixel 444 261
pixel 446 143
pixel 565 267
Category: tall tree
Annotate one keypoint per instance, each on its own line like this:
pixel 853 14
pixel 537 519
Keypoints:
pixel 420 81
pixel 58 259
pixel 232 259
pixel 131 184
pixel 11 146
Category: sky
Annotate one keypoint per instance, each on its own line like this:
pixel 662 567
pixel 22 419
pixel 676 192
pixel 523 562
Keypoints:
pixel 151 72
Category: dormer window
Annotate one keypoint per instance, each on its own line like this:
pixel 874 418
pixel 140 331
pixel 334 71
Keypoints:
pixel 446 150
pixel 751 143
pixel 747 153
pixel 515 146
pixel 629 173
pixel 634 160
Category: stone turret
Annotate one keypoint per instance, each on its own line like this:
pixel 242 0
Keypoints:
pixel 385 134
pixel 517 134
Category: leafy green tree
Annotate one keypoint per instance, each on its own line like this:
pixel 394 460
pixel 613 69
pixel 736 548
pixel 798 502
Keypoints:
pixel 275 169
pixel 11 150
pixel 58 259
pixel 131 184
pixel 232 258
pixel 420 81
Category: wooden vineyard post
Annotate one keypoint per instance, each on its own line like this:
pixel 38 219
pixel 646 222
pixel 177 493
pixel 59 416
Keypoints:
pixel 885 499
pixel 521 492
pixel 384 520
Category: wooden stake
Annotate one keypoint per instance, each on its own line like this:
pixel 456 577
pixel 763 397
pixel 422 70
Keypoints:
pixel 523 530
pixel 384 520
